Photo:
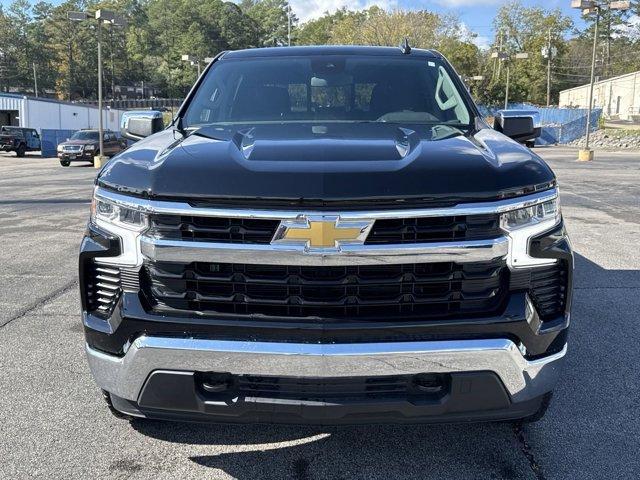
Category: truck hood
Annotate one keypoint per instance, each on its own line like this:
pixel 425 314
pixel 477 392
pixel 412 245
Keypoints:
pixel 322 164
pixel 79 142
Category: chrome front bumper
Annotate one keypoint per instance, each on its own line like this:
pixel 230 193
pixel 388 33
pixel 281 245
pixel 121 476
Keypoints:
pixel 126 376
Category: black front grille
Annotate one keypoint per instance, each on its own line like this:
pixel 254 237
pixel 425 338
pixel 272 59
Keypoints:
pixel 385 292
pixel 548 290
pixel 392 231
pixel 213 229
pixel 434 229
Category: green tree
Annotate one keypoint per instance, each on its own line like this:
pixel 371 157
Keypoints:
pixel 271 18
pixel 524 29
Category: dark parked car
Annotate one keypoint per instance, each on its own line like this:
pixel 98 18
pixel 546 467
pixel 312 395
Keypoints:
pixel 327 235
pixel 19 140
pixel 85 144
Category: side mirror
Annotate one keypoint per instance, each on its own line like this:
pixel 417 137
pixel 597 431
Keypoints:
pixel 140 124
pixel 521 125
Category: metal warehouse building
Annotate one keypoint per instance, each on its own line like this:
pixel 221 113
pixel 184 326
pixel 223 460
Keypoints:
pixel 619 97
pixel 44 113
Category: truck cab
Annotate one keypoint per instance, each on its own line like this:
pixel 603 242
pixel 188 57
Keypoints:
pixel 19 140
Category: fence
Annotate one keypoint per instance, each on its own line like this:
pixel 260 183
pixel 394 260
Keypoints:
pixel 141 103
pixel 50 140
pixel 559 125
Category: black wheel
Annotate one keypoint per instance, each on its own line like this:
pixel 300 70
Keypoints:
pixel 530 143
pixel 116 413
pixel 64 163
pixel 20 152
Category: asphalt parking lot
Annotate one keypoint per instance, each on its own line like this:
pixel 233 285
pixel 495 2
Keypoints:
pixel 53 423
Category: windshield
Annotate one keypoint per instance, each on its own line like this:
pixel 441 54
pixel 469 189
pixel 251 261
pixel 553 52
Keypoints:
pixel 351 89
pixel 84 135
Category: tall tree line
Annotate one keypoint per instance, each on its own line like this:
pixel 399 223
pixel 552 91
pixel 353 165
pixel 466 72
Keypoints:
pixel 149 49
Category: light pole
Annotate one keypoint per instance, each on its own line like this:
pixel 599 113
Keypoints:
pixel 288 24
pixel 549 52
pixel 35 80
pixel 112 18
pixel 589 7
pixel 505 57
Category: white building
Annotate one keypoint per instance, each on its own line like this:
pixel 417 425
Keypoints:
pixel 619 97
pixel 39 113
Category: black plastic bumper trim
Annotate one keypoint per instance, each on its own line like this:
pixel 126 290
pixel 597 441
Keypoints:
pixel 473 396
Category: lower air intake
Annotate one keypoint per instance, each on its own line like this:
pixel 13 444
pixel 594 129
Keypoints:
pixel 104 288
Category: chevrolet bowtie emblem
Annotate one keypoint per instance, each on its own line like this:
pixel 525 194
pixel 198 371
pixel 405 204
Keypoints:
pixel 322 233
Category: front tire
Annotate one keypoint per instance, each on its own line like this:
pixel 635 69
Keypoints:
pixel 21 151
pixel 65 163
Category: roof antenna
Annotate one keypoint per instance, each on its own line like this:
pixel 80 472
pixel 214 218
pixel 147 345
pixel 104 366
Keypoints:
pixel 405 47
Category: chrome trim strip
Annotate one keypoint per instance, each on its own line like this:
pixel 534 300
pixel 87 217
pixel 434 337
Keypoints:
pixel 286 254
pixel 125 376
pixel 181 208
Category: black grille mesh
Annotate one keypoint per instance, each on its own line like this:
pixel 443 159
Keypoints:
pixel 443 290
pixel 213 229
pixel 327 388
pixel 434 229
pixel 390 231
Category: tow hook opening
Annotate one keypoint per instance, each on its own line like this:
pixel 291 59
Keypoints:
pixel 214 382
pixel 432 383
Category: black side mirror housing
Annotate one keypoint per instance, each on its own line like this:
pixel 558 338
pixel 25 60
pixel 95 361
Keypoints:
pixel 137 125
pixel 523 126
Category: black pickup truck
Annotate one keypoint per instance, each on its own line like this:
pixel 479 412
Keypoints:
pixel 19 140
pixel 327 235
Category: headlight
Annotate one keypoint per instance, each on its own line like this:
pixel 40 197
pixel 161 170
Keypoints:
pixel 125 221
pixel 524 223
pixel 59 148
pixel 532 215
pixel 117 215
pixel 89 147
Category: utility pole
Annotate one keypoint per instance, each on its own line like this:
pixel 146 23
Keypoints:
pixel 113 69
pixel 588 7
pixel 112 18
pixel 100 126
pixel 505 57
pixel 593 76
pixel 506 89
pixel 549 54
pixel 288 24
pixel 499 51
pixel 35 79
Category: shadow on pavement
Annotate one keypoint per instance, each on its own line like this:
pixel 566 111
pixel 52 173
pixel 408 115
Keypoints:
pixel 494 451
pixel 372 452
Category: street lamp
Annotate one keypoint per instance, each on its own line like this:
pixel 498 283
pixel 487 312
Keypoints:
pixel 505 57
pixel 192 60
pixel 103 17
pixel 589 7
pixel 468 79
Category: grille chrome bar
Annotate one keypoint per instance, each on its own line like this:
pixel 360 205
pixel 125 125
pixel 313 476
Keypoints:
pixel 460 252
pixel 182 208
